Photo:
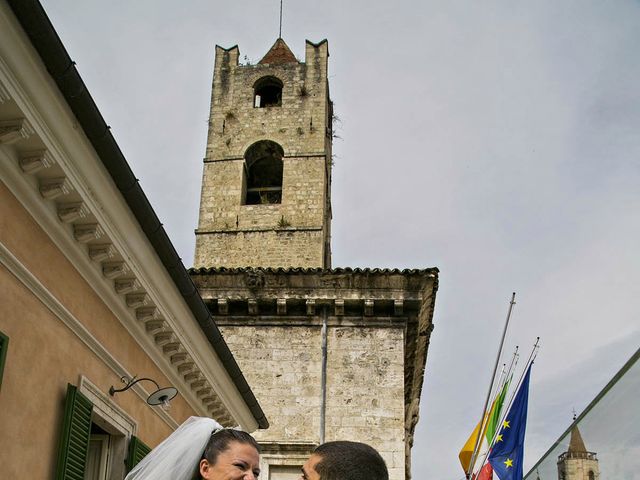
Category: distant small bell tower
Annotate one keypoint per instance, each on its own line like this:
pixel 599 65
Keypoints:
pixel 266 185
pixel 577 463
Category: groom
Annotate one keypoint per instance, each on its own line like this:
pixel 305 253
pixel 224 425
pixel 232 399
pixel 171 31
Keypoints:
pixel 345 461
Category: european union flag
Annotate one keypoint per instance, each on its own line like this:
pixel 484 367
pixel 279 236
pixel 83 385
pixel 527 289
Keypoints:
pixel 506 458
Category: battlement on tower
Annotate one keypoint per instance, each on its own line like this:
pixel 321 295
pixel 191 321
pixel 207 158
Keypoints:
pixel 297 119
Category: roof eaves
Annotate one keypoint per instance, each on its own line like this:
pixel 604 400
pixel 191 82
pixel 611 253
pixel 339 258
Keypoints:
pixel 310 271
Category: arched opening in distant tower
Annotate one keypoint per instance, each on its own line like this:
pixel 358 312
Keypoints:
pixel 267 92
pixel 263 173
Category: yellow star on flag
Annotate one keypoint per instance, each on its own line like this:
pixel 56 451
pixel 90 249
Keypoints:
pixel 508 462
pixel 499 438
pixel 505 424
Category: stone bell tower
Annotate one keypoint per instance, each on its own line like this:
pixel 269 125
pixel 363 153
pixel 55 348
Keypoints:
pixel 577 463
pixel 266 198
pixel 313 341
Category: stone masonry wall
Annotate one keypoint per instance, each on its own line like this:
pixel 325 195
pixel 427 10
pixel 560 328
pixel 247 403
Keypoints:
pixel 232 234
pixel 283 366
pixel 365 383
pixel 285 234
pixel 578 469
pixel 280 248
pixel 365 391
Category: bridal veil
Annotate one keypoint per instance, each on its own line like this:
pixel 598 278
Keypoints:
pixel 178 456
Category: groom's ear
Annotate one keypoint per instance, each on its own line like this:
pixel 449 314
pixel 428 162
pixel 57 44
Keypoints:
pixel 204 468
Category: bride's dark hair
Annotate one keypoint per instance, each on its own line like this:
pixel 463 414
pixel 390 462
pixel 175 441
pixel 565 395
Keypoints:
pixel 220 440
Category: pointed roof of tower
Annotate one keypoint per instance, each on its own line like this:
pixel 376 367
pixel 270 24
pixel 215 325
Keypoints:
pixel 279 54
pixel 576 444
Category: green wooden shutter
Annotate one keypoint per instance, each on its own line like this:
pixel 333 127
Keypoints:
pixel 4 345
pixel 74 441
pixel 137 451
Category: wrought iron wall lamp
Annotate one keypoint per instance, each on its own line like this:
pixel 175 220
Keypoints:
pixel 161 396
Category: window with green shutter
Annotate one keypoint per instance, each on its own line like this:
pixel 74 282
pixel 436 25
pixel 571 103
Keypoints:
pixel 4 345
pixel 137 451
pixel 74 438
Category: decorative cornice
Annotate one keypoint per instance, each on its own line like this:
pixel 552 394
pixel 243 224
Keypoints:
pixel 67 210
pixel 297 292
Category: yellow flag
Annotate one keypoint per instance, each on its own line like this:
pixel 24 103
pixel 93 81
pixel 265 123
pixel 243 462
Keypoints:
pixel 467 451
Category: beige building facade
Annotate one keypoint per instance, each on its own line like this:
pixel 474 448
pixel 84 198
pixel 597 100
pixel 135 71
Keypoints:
pixel 331 353
pixel 92 291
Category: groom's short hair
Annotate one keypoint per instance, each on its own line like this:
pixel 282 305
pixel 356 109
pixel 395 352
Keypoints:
pixel 342 460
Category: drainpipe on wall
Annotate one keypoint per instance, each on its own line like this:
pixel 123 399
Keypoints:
pixel 323 378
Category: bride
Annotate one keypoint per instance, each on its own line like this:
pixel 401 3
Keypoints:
pixel 200 449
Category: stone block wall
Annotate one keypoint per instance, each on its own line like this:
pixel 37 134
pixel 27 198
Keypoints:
pixel 364 389
pixel 291 233
pixel 578 469
pixel 283 366
pixel 273 248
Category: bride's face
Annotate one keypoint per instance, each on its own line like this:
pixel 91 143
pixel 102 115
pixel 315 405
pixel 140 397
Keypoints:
pixel 240 461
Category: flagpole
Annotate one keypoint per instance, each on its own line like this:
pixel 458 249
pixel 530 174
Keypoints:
pixel 532 357
pixel 503 379
pixel 504 375
pixel 505 411
pixel 493 376
pixel 514 361
pixel 497 385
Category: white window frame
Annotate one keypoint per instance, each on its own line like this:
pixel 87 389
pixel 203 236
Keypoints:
pixel 115 421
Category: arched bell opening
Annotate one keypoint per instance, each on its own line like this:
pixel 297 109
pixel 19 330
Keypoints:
pixel 263 173
pixel 267 92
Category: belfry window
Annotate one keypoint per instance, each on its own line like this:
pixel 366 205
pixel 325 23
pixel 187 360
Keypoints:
pixel 263 174
pixel 267 92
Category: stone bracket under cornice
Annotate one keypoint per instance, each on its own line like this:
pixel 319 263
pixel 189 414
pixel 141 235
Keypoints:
pixel 285 307
pixel 14 130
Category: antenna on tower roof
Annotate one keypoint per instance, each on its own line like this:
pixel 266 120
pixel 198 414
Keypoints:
pixel 280 31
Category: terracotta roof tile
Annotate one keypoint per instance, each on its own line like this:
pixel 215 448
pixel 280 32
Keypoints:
pixel 279 54
pixel 301 270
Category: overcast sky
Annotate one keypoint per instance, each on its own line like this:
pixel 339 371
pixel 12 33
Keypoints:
pixel 498 141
